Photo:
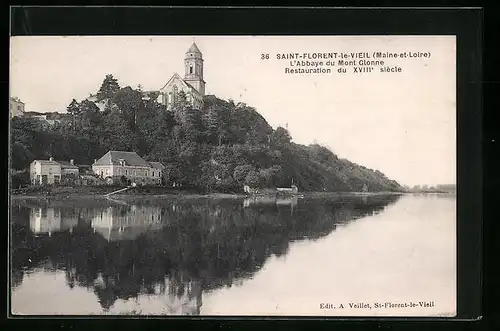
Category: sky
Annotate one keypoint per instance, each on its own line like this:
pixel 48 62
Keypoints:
pixel 402 123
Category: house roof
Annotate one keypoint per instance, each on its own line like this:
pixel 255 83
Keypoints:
pixel 47 162
pixel 194 49
pixel 130 158
pixel 66 164
pixel 157 165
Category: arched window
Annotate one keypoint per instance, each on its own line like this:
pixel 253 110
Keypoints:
pixel 190 68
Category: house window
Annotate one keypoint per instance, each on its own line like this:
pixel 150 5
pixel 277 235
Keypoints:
pixel 147 173
pixel 126 172
pixel 153 173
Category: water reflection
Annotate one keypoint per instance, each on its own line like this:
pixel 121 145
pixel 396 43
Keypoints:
pixel 48 220
pixel 263 200
pixel 170 250
pixel 126 222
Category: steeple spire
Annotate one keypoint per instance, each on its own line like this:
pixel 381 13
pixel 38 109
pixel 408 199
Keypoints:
pixel 194 49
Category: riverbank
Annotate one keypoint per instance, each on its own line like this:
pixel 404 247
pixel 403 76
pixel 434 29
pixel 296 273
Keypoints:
pixel 99 192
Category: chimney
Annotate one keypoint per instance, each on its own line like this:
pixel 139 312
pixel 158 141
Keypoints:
pixel 51 158
pixel 72 162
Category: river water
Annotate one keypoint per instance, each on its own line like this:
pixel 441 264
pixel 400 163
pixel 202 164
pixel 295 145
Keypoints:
pixel 330 256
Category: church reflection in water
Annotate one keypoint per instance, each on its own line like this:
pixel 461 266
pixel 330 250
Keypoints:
pixel 171 250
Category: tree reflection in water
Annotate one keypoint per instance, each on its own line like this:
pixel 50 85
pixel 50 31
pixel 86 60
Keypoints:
pixel 172 249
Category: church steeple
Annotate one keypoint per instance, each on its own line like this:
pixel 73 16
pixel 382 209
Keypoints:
pixel 194 49
pixel 193 65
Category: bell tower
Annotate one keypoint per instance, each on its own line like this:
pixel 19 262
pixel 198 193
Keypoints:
pixel 193 65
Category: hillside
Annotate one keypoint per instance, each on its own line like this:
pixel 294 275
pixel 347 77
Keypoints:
pixel 220 147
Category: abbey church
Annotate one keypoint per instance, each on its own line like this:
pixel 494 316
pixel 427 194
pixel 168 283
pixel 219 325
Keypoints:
pixel 192 84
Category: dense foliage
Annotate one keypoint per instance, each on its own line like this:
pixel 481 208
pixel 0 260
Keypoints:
pixel 220 147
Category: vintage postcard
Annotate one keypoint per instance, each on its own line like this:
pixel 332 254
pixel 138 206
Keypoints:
pixel 233 175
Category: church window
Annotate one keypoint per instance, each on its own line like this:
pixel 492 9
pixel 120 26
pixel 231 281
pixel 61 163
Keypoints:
pixel 190 68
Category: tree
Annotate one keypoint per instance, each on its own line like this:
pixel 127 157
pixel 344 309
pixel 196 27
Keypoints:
pixel 191 124
pixel 267 175
pixel 90 114
pixel 180 101
pixel 74 108
pixel 253 179
pixel 107 91
pixel 108 88
pixel 129 102
pixel 20 156
pixel 240 173
pixel 211 125
pixel 280 138
pixel 115 133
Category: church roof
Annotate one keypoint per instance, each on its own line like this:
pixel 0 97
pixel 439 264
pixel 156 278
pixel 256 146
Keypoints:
pixel 193 49
pixel 176 75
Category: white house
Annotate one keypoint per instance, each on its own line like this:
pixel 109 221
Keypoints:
pixel 45 172
pixel 52 172
pixel 115 166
